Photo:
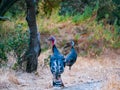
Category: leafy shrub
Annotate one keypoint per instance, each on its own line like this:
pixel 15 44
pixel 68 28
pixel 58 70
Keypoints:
pixel 16 10
pixel 111 8
pixel 109 35
pixel 16 41
pixel 116 37
pixel 2 53
pixel 72 7
pixel 46 7
pixel 103 8
pixel 81 17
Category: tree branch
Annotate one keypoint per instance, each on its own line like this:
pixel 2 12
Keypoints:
pixel 5 5
pixel 4 18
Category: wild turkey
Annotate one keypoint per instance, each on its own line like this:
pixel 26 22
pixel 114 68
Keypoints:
pixel 56 64
pixel 71 57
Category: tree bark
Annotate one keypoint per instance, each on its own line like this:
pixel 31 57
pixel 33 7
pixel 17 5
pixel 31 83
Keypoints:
pixel 34 46
pixel 31 55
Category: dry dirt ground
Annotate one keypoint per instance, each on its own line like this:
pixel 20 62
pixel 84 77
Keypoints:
pixel 102 73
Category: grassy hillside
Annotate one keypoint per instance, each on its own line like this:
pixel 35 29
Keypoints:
pixel 91 36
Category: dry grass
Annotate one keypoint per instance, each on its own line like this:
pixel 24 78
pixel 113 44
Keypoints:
pixel 103 71
pixel 113 83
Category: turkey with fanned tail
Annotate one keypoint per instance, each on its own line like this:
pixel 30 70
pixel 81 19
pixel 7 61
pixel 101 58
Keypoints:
pixel 56 64
pixel 71 57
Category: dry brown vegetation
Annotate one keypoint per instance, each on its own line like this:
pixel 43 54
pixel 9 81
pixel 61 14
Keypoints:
pixel 102 73
pixel 90 72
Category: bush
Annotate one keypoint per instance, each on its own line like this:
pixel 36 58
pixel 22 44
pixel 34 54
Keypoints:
pixel 71 7
pixel 103 8
pixel 2 53
pixel 110 8
pixel 16 41
pixel 46 7
pixel 81 17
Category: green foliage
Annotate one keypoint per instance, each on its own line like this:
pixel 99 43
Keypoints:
pixel 72 7
pixel 46 7
pixel 87 12
pixel 81 17
pixel 109 35
pixel 76 18
pixel 18 9
pixel 2 52
pixel 16 41
pixel 77 36
pixel 112 36
pixel 76 11
pixel 116 37
pixel 111 8
pixel 116 1
pixel 77 8
pixel 64 18
pixel 15 66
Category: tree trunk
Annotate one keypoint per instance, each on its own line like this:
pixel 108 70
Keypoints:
pixel 34 46
pixel 31 55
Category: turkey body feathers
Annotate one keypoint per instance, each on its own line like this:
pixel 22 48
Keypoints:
pixel 56 62
pixel 71 57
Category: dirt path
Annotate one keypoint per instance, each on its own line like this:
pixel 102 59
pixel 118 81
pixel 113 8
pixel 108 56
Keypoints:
pixel 102 73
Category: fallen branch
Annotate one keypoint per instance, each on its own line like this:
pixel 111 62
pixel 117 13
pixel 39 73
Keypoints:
pixel 4 19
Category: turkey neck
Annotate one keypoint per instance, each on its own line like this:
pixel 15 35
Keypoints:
pixel 72 48
pixel 53 43
pixel 54 49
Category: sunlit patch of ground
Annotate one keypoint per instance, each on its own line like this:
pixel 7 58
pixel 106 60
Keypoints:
pixel 102 73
